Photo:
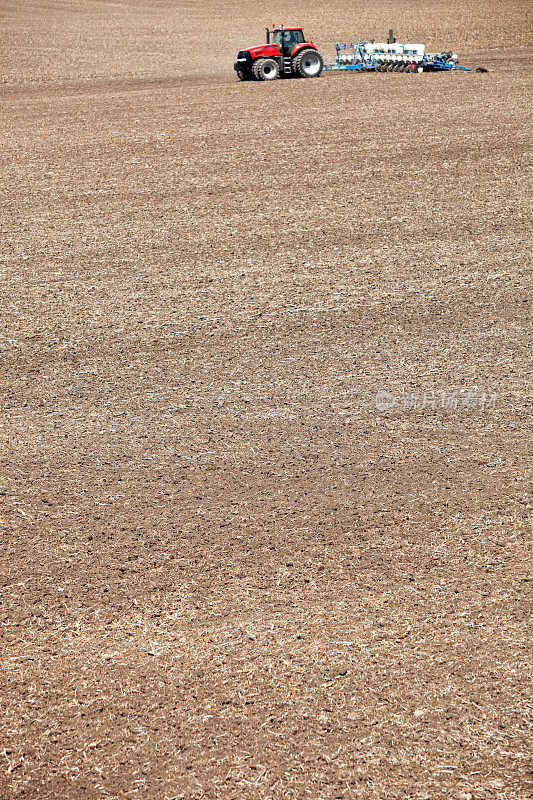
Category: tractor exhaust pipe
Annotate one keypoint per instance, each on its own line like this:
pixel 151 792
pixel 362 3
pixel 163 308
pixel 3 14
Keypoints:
pixel 268 35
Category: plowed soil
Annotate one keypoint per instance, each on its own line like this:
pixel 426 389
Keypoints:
pixel 226 572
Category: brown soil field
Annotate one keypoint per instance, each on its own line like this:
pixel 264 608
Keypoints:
pixel 226 572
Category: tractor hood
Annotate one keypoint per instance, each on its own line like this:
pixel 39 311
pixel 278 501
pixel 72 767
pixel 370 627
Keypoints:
pixel 263 51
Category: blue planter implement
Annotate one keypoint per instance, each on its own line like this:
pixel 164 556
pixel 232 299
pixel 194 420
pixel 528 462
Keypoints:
pixel 391 56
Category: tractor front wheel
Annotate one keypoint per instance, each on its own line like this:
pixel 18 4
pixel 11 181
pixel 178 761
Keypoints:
pixel 265 69
pixel 308 64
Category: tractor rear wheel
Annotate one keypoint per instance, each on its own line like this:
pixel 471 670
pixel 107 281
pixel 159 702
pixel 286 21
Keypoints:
pixel 265 69
pixel 307 64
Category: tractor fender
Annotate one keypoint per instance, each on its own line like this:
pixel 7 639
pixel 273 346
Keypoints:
pixel 302 46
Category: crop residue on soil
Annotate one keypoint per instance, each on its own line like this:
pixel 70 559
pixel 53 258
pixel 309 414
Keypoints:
pixel 227 573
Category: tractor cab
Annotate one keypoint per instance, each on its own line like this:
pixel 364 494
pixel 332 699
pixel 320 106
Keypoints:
pixel 286 39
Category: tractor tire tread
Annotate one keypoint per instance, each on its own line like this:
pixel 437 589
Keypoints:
pixel 256 67
pixel 297 63
pixel 259 67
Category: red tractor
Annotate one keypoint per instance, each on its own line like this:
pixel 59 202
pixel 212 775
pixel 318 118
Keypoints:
pixel 287 55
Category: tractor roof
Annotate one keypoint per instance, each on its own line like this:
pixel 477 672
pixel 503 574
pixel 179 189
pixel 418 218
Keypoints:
pixel 279 28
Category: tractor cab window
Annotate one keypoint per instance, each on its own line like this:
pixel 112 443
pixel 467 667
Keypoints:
pixel 290 39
